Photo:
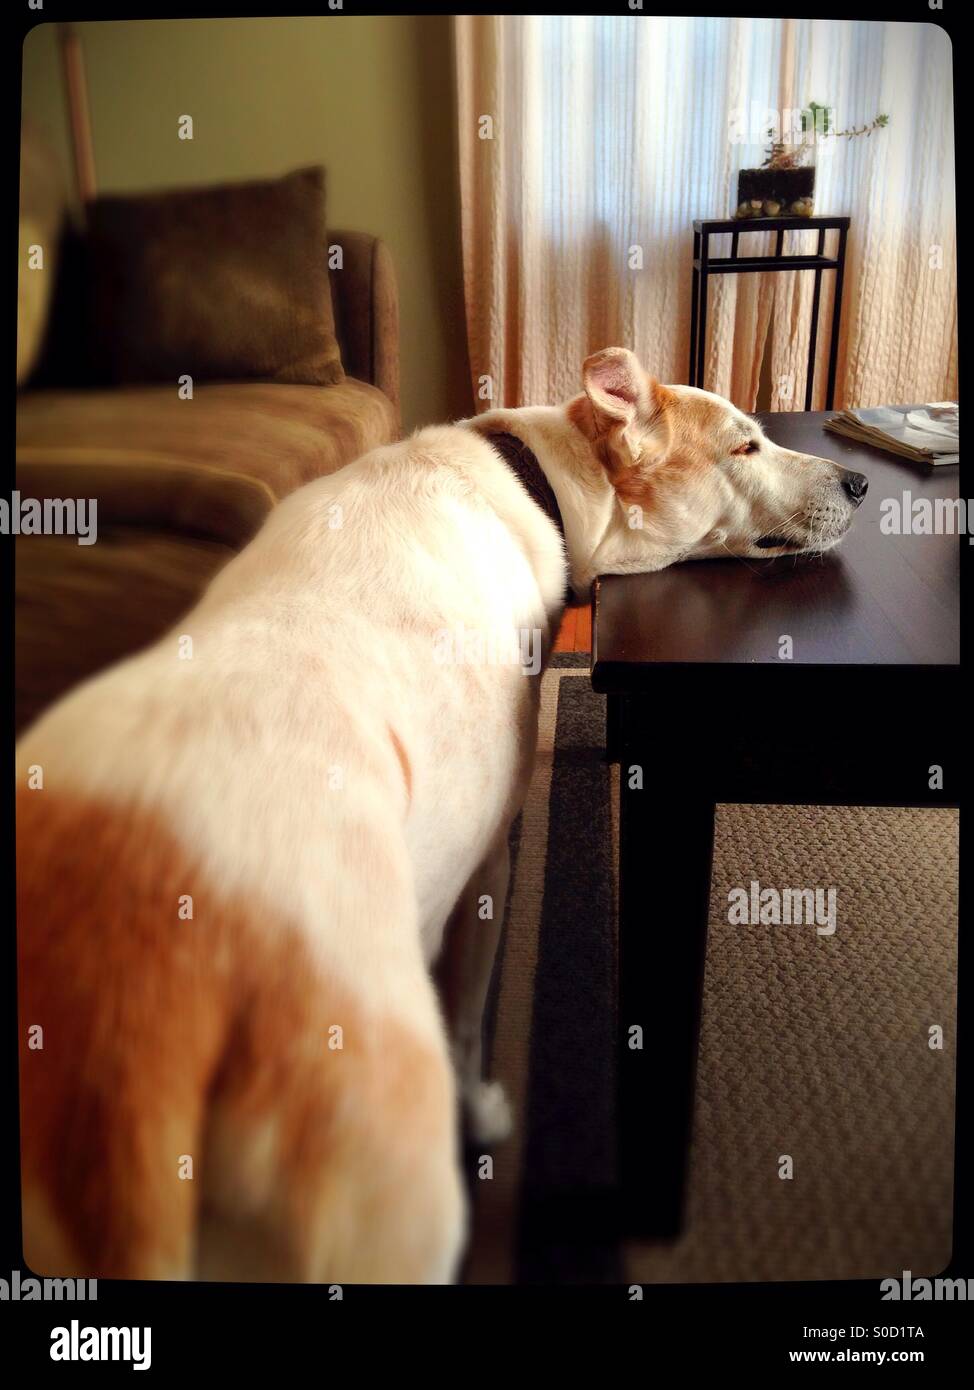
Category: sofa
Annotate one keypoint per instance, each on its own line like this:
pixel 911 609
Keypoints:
pixel 180 487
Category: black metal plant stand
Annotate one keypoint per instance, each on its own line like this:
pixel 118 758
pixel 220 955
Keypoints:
pixel 704 265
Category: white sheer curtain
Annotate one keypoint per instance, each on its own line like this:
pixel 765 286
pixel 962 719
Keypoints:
pixel 609 135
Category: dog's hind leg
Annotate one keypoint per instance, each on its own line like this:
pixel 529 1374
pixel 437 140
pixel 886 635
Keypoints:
pixel 332 1151
pixel 464 972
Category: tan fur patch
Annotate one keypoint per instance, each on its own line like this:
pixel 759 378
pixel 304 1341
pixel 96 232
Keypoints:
pixel 688 429
pixel 209 1038
pixel 582 416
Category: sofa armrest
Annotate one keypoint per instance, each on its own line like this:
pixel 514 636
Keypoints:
pixel 365 298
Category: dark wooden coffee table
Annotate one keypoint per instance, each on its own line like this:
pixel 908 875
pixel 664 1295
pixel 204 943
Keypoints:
pixel 702 700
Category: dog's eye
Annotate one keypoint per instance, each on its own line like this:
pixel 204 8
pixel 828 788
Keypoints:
pixel 751 447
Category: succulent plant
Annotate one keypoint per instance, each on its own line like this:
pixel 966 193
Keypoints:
pixel 816 122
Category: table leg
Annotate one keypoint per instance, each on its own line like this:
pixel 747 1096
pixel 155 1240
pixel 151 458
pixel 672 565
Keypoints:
pixel 666 831
pixel 701 328
pixel 694 310
pixel 813 329
pixel 613 727
pixel 836 316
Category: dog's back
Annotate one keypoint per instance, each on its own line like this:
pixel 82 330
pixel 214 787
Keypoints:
pixel 233 1061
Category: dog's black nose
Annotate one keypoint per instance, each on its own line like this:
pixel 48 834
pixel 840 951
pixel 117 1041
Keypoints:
pixel 854 486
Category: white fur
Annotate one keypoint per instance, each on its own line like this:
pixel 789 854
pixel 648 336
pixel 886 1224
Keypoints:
pixel 274 752
pixel 315 642
pixel 307 648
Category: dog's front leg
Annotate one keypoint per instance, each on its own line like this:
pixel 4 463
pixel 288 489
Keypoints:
pixel 463 973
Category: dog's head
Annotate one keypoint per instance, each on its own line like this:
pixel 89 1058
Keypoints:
pixel 698 478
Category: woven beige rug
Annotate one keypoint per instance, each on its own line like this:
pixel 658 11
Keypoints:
pixel 818 1047
pixel 815 1047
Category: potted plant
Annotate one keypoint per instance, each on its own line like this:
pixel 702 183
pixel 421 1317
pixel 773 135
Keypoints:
pixel 784 184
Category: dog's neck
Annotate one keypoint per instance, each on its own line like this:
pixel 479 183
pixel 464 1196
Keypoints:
pixel 597 533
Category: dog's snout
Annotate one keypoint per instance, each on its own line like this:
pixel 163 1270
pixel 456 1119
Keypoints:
pixel 854 486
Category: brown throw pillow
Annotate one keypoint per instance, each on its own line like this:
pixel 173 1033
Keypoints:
pixel 222 283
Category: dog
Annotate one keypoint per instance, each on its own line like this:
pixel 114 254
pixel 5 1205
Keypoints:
pixel 242 852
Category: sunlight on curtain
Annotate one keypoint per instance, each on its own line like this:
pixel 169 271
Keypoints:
pixel 610 135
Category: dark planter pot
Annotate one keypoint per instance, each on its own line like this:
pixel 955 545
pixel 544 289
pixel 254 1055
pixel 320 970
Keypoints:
pixel 789 192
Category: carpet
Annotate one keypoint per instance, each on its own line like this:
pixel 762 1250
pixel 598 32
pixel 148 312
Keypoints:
pixel 815 1047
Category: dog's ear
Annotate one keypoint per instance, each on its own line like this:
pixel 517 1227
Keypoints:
pixel 616 386
pixel 623 410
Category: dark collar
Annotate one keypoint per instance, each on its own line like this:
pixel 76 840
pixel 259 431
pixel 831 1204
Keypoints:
pixel 525 466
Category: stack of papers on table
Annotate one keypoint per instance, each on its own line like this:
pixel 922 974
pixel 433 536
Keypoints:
pixel 924 433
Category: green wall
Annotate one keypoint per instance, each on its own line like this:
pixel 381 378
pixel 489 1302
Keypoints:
pixel 370 98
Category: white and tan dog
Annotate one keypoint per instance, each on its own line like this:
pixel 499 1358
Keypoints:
pixel 239 849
